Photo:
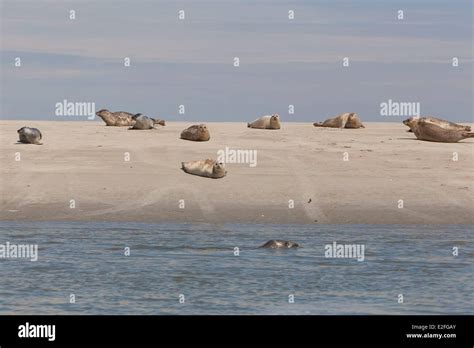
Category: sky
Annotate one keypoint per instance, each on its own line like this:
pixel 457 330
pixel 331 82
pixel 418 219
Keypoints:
pixel 283 62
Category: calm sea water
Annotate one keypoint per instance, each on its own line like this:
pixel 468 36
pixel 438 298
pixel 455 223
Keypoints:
pixel 166 260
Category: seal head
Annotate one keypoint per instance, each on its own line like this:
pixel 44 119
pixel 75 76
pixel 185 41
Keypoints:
pixel 279 244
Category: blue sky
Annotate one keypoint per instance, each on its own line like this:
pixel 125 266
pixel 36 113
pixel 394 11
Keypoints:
pixel 282 62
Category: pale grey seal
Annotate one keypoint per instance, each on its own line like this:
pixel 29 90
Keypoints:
pixel 266 122
pixel 143 122
pixel 208 168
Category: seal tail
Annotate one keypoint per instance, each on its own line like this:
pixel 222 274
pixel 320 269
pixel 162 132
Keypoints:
pixel 248 124
pixel 469 135
pixel 160 122
pixel 318 124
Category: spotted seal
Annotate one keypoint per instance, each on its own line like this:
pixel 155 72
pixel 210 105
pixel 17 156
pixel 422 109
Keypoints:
pixel 117 119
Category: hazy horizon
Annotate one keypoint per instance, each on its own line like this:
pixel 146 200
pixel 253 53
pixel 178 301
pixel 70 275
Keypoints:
pixel 282 62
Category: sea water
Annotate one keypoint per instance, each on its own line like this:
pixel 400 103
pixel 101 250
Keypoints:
pixel 139 268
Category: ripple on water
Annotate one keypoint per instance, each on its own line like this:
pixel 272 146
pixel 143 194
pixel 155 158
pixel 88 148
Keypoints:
pixel 167 260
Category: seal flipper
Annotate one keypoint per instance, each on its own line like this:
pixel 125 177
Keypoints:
pixel 469 135
pixel 41 137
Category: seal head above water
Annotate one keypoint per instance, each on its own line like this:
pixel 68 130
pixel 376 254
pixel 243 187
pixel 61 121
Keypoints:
pixel 279 244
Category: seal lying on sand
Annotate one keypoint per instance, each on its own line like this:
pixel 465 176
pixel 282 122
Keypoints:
pixel 207 168
pixel 119 118
pixel 196 133
pixel 346 120
pixel 279 244
pixel 433 131
pixel 412 121
pixel 122 118
pixel 143 122
pixel 353 121
pixel 266 122
pixel 29 135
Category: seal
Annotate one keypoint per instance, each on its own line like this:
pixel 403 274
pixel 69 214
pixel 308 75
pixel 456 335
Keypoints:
pixel 412 121
pixel 196 133
pixel 353 121
pixel 118 119
pixel 335 122
pixel 143 122
pixel 279 244
pixel 29 135
pixel 266 122
pixel 425 129
pixel 207 168
pixel 345 120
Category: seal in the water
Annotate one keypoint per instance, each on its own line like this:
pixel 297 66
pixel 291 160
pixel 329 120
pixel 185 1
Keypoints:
pixel 433 131
pixel 345 120
pixel 279 244
pixel 207 168
pixel 412 121
pixel 196 133
pixel 119 118
pixel 266 122
pixel 143 122
pixel 29 135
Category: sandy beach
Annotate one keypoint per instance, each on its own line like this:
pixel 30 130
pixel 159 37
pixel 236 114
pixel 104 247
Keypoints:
pixel 86 162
